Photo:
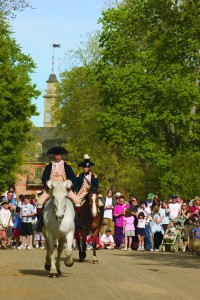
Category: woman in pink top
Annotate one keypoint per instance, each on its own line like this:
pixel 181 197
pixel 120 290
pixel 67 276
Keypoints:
pixel 128 228
pixel 118 213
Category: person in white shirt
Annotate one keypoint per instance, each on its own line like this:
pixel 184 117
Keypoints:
pixel 107 240
pixel 141 230
pixel 147 213
pixel 109 204
pixel 6 224
pixel 174 207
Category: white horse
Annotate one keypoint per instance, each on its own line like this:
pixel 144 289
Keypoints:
pixel 58 218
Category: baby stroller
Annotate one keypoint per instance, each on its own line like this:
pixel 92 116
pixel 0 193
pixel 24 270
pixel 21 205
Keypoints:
pixel 174 242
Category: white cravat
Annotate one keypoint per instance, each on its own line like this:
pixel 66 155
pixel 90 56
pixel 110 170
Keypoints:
pixel 58 164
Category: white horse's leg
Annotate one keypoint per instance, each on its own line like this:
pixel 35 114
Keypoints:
pixel 48 259
pixel 52 254
pixel 69 260
pixel 59 252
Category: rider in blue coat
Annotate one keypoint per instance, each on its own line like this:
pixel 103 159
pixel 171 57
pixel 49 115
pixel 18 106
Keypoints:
pixel 86 182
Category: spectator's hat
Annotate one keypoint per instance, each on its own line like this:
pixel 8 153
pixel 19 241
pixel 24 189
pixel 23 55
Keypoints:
pixel 117 195
pixel 150 196
pixel 174 196
pixel 5 202
pixel 108 230
pixel 57 150
pixel 86 162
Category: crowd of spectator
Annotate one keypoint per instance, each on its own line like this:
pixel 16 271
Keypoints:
pixel 19 221
pixel 128 224
pixel 141 225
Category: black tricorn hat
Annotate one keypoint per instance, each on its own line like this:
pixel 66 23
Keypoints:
pixel 57 150
pixel 86 162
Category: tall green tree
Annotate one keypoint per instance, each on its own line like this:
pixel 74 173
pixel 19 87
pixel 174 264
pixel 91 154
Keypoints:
pixel 148 77
pixel 76 110
pixel 16 92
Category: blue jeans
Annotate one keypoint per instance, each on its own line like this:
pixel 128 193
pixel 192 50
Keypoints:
pixel 148 244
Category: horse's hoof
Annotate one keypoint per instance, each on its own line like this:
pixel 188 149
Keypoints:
pixel 47 267
pixel 95 262
pixel 59 273
pixel 54 275
pixel 69 264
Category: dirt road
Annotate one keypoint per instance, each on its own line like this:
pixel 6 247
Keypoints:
pixel 119 275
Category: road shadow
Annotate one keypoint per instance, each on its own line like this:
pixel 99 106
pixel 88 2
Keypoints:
pixel 76 260
pixel 40 273
pixel 179 260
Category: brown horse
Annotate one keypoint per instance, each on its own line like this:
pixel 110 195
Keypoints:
pixel 90 218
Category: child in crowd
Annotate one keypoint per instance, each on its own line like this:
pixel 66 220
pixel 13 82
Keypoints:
pixel 157 228
pixel 6 224
pixel 196 230
pixel 39 238
pixel 107 240
pixel 141 230
pixel 170 232
pixel 89 242
pixel 128 228
pixel 147 213
pixel 196 238
pixel 17 227
pixel 26 214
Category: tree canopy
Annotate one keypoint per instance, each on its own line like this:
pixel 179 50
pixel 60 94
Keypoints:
pixel 16 92
pixel 135 106
pixel 148 75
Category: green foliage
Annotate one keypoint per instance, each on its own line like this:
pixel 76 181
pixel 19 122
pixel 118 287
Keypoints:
pixel 183 176
pixel 16 92
pixel 148 78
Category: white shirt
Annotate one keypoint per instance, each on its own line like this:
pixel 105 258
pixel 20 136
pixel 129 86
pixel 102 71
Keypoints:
pixel 107 239
pixel 147 213
pixel 141 223
pixel 5 215
pixel 108 213
pixel 174 209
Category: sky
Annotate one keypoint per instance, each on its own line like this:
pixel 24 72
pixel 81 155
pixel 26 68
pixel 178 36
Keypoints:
pixel 60 21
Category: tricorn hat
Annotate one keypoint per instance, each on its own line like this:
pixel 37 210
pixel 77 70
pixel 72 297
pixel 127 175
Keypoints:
pixel 86 162
pixel 57 150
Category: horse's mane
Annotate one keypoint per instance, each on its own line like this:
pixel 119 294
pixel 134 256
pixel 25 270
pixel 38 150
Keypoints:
pixel 59 187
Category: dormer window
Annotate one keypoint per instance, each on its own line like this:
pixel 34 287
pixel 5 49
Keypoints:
pixel 38 150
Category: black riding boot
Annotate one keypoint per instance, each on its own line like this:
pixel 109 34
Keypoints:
pixel 77 222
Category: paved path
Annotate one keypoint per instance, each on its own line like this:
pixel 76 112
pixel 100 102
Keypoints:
pixel 119 275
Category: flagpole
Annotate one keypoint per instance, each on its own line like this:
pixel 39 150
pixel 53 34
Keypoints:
pixel 52 59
